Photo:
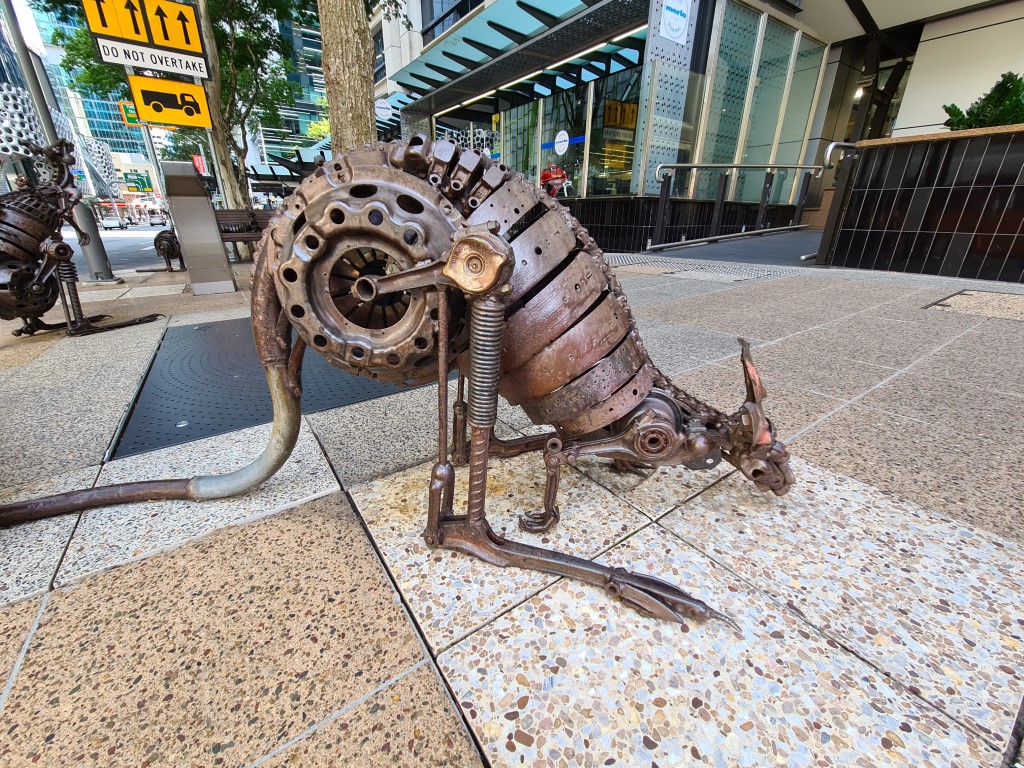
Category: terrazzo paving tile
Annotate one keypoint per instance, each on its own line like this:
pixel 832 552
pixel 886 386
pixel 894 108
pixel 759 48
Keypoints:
pixel 875 340
pixel 947 470
pixel 214 654
pixel 111 536
pixel 790 408
pixel 653 491
pixel 1007 306
pixel 796 363
pixel 144 291
pixel 31 551
pixel 981 357
pixel 376 437
pixel 571 677
pixel 671 287
pixel 934 603
pixel 961 406
pixel 667 342
pixel 411 722
pixel 102 294
pixel 16 622
pixel 451 594
pixel 207 316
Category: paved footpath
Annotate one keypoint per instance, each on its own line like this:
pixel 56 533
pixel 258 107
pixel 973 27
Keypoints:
pixel 879 604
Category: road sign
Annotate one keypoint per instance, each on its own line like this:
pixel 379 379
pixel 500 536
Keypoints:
pixel 146 57
pixel 174 25
pixel 122 19
pixel 128 113
pixel 169 24
pixel 169 102
pixel 137 181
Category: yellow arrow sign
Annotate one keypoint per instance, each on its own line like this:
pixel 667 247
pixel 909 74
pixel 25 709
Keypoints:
pixel 174 25
pixel 169 102
pixel 124 19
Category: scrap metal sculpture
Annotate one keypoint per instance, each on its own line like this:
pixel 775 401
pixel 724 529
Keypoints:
pixel 35 263
pixel 32 252
pixel 403 261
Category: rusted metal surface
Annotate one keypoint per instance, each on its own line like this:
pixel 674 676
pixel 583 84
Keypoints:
pixel 31 246
pixel 404 261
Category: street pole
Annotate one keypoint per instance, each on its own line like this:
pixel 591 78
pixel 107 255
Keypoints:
pixel 95 253
pixel 158 179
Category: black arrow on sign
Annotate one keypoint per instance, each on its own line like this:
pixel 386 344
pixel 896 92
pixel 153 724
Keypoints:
pixel 162 15
pixel 133 9
pixel 99 10
pixel 184 27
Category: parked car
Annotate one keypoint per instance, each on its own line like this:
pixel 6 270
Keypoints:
pixel 157 219
pixel 114 222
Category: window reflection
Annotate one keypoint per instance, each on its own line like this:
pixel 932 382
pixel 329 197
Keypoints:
pixel 613 133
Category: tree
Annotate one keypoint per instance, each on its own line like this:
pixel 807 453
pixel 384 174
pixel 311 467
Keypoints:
pixel 248 75
pixel 348 72
pixel 185 142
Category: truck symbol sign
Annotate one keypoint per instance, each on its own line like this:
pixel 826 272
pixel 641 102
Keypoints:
pixel 158 101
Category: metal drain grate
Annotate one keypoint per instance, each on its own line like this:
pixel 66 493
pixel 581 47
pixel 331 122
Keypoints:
pixel 206 380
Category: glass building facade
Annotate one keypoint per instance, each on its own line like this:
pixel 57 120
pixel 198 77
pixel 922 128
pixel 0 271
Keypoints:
pixel 751 104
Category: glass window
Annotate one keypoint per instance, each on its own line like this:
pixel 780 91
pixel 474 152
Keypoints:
pixel 564 111
pixel 379 70
pixel 519 139
pixel 798 111
pixel 729 91
pixel 769 90
pixel 613 133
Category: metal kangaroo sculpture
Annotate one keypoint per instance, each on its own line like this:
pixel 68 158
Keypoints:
pixel 33 255
pixel 406 260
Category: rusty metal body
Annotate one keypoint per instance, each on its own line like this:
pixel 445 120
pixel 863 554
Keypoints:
pixel 31 246
pixel 404 261
pixel 377 245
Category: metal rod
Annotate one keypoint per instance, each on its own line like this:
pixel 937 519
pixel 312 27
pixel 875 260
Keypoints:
pixel 832 147
pixel 733 236
pixel 716 215
pixel 801 198
pixel 762 208
pixel 659 220
pixel 662 167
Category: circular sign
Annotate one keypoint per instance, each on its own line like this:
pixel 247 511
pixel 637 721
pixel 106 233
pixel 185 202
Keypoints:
pixel 383 110
pixel 561 142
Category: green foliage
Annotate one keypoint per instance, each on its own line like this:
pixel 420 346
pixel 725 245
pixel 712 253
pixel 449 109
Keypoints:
pixel 321 127
pixel 88 74
pixel 185 142
pixel 1003 105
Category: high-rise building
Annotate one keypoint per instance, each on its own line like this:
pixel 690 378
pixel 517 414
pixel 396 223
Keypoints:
pixel 96 117
pixel 306 55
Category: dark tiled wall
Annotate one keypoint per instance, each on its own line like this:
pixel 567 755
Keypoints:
pixel 940 208
pixel 625 224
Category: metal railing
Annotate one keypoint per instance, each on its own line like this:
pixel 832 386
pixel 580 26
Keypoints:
pixel 843 145
pixel 666 171
pixel 840 197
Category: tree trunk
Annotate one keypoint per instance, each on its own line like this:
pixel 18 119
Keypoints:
pixel 235 194
pixel 348 72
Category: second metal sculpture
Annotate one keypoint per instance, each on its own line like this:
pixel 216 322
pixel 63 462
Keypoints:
pixel 403 261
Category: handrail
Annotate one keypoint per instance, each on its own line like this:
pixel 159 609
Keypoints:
pixel 832 148
pixel 672 167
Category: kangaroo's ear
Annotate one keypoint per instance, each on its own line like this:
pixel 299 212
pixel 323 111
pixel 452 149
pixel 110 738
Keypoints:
pixel 755 389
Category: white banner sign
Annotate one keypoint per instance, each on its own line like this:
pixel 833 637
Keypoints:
pixel 141 57
pixel 675 20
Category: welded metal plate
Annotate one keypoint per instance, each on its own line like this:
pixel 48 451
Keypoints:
pixel 207 380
